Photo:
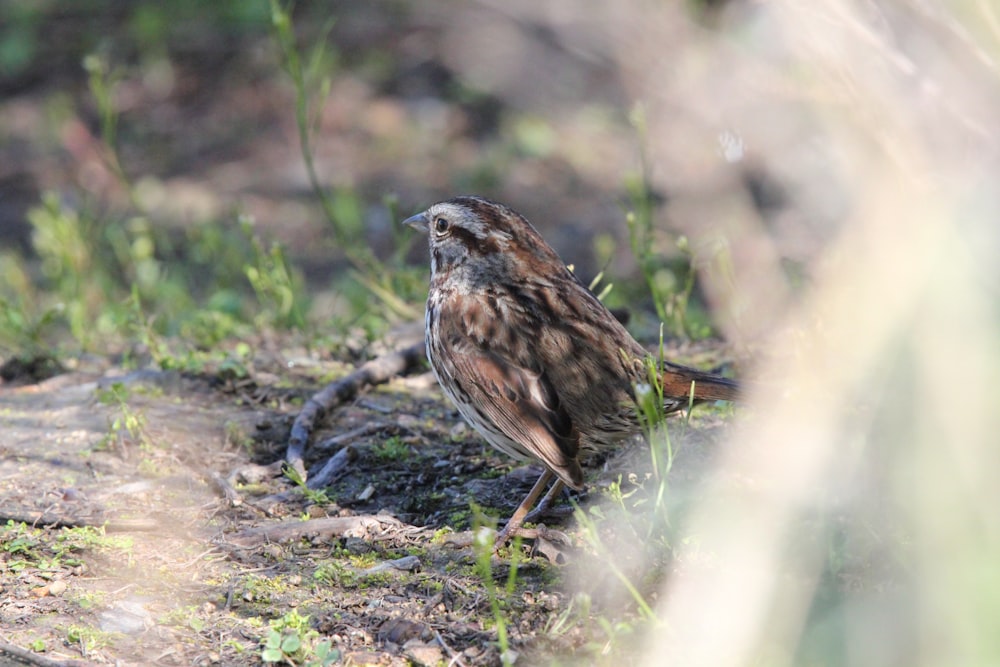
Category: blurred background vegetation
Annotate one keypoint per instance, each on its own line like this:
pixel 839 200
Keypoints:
pixel 180 174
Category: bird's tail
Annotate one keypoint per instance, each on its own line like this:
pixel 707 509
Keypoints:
pixel 678 380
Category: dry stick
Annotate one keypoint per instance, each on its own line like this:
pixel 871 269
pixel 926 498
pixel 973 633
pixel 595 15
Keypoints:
pixel 349 526
pixel 51 520
pixel 232 496
pixel 371 373
pixel 345 438
pixel 404 564
pixel 336 464
pixel 15 656
pixel 456 659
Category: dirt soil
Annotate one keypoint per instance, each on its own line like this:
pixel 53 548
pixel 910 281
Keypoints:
pixel 205 541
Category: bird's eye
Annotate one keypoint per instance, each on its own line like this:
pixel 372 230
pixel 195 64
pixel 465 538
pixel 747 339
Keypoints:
pixel 441 226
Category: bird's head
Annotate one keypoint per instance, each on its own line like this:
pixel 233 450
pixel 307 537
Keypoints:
pixel 482 241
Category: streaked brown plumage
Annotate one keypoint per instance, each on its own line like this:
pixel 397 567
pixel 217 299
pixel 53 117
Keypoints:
pixel 526 352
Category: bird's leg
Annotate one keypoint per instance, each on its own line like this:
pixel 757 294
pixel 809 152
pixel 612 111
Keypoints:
pixel 517 518
pixel 545 503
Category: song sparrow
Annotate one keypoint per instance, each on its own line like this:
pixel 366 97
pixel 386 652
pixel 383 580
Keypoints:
pixel 531 358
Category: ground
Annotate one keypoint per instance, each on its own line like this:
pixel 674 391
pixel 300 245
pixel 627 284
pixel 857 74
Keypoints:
pixel 172 571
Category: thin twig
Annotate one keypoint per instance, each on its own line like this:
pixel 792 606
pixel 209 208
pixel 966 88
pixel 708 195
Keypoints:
pixel 456 659
pixel 232 496
pixel 374 372
pixel 337 463
pixel 353 434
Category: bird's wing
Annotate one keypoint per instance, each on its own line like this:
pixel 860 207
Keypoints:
pixel 524 406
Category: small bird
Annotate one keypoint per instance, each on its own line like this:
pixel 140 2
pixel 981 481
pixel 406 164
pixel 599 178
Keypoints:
pixel 529 356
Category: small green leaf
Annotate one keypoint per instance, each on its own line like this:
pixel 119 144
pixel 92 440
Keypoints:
pixel 291 644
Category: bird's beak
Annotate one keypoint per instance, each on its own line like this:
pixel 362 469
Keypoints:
pixel 418 222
